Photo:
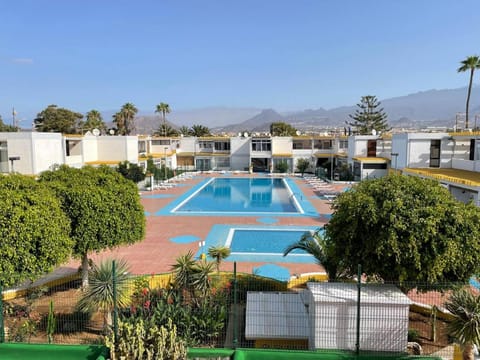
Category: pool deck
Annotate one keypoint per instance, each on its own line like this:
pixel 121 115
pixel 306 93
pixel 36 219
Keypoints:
pixel 157 252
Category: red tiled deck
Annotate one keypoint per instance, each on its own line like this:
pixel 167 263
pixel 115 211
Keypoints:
pixel 156 253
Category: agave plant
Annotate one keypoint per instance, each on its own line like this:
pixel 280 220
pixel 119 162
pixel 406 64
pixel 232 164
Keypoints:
pixel 465 326
pixel 98 295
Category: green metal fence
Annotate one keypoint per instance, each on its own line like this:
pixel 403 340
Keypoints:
pixel 230 310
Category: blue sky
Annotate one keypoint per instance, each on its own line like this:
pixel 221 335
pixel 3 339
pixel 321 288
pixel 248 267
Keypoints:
pixel 286 55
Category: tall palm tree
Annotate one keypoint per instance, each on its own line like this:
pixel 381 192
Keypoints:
pixel 315 245
pixel 99 293
pixel 94 121
pixel 465 327
pixel 469 64
pixel 128 112
pixel 163 109
pixel 218 253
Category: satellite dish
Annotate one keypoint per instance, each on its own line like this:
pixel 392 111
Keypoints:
pixel 374 132
pixel 245 134
pixel 298 133
pixel 239 134
pixel 96 132
pixel 112 131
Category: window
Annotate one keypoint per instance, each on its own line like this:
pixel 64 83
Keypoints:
pixel 205 145
pixel 323 144
pixel 222 146
pixel 160 142
pixel 472 150
pixel 343 144
pixel 302 145
pixel 261 145
pixel 223 162
pixel 435 153
pixel 3 157
pixel 374 166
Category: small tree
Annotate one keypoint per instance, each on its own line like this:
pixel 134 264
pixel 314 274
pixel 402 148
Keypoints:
pixel 369 116
pixel 281 167
pixel 465 326
pixel 218 253
pixel 282 129
pixel 302 165
pixel 131 171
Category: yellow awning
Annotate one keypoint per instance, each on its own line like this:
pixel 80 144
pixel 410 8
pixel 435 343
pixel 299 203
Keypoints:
pixel 379 160
pixel 464 177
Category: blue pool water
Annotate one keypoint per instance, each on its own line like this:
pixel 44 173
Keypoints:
pixel 242 195
pixel 264 241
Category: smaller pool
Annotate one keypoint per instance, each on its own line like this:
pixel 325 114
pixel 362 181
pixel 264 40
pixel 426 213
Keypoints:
pixel 256 243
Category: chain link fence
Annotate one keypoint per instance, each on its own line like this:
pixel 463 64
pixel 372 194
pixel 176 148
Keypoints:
pixel 229 310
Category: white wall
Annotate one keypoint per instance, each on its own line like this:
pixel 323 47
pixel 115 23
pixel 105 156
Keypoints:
pixel 239 153
pixel 281 145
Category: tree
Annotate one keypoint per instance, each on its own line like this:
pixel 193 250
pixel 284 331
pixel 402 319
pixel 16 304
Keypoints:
pixel 469 64
pixel 94 121
pixel 315 245
pixel 163 109
pixel 99 293
pixel 7 128
pixel 103 206
pixel 33 228
pixel 404 229
pixel 465 326
pixel 125 119
pixel 282 129
pixel 218 253
pixel 55 119
pixel 199 131
pixel 302 165
pixel 281 166
pixel 131 171
pixel 166 130
pixel 369 116
pixel 185 130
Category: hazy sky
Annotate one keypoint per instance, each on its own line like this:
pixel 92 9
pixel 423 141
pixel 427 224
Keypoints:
pixel 286 55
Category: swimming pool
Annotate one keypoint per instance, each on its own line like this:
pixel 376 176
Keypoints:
pixel 254 243
pixel 242 195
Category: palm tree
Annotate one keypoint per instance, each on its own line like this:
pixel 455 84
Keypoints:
pixel 128 112
pixel 163 109
pixel 185 130
pixel 184 270
pixel 200 130
pixel 94 121
pixel 218 253
pixel 469 64
pixel 99 293
pixel 315 245
pixel 465 327
pixel 166 130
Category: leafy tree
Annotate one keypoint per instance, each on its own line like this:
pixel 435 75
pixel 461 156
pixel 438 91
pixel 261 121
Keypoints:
pixel 125 119
pixel 281 167
pixel 185 130
pixel 33 228
pixel 302 165
pixel 282 129
pixel 163 109
pixel 98 295
pixel 103 206
pixel 131 171
pixel 166 130
pixel 199 131
pixel 55 119
pixel 94 121
pixel 369 116
pixel 7 128
pixel 404 229
pixel 218 253
pixel 465 326
pixel 469 64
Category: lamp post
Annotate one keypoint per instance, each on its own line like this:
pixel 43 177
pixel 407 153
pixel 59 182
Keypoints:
pixel 396 156
pixel 165 151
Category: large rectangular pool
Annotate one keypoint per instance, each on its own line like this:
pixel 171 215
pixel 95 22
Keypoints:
pixel 242 195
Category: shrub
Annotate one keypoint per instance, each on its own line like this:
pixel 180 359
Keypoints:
pixel 413 335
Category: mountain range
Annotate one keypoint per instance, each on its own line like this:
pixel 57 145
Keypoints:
pixel 421 109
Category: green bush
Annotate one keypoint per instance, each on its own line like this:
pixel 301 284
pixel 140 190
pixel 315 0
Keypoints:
pixel 413 335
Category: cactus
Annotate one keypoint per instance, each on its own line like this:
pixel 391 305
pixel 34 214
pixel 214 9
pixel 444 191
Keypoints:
pixel 51 322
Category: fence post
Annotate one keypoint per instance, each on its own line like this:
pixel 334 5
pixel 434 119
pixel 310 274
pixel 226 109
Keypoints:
pixel 2 325
pixel 235 306
pixel 115 308
pixel 359 290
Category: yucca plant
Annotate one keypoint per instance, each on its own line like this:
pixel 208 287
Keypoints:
pixel 465 326
pixel 218 253
pixel 99 293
